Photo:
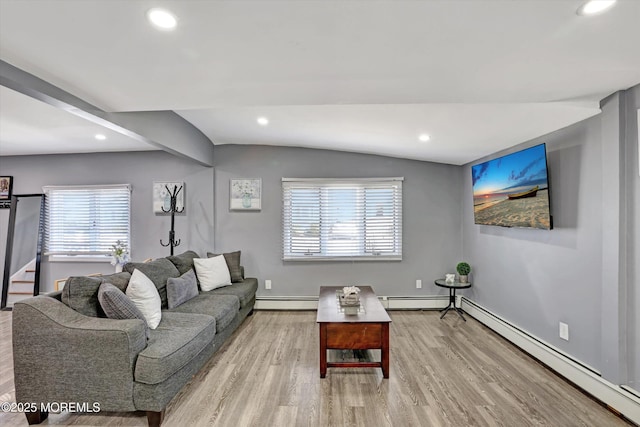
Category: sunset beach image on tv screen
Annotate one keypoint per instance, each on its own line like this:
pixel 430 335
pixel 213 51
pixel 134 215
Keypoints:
pixel 513 190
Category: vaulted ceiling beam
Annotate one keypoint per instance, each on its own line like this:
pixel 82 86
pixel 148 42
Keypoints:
pixel 165 130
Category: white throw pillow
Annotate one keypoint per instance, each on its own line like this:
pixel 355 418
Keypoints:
pixel 145 297
pixel 212 272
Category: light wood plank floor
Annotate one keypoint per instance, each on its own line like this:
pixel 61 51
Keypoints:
pixel 443 373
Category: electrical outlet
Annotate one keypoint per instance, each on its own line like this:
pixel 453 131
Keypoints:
pixel 418 284
pixel 564 331
pixel 267 284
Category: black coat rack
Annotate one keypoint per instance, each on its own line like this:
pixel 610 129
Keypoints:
pixel 173 209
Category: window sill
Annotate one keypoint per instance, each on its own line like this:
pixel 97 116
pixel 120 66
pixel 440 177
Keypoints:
pixel 343 258
pixel 79 258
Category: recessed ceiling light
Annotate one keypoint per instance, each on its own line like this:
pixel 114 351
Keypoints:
pixel 263 121
pixel 593 7
pixel 100 137
pixel 424 137
pixel 162 18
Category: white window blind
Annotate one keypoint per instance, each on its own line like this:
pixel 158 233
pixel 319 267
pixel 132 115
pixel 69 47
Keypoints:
pixel 86 220
pixel 342 219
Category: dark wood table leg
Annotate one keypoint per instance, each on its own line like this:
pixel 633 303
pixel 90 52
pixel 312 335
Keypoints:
pixel 154 419
pixel 323 350
pixel 385 350
pixel 36 417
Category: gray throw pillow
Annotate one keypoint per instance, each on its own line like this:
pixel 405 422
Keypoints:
pixel 116 304
pixel 184 261
pixel 181 289
pixel 233 262
pixel 158 270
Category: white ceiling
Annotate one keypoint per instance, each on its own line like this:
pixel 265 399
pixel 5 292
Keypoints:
pixel 478 76
pixel 29 126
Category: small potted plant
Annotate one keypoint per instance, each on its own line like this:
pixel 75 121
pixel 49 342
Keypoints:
pixel 463 269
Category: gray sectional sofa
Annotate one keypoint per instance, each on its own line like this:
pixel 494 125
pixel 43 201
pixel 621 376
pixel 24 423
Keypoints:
pixel 66 350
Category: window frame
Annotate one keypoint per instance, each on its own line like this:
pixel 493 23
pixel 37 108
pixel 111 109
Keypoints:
pixel 83 256
pixel 364 184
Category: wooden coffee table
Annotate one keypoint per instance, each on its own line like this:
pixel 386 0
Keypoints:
pixel 368 329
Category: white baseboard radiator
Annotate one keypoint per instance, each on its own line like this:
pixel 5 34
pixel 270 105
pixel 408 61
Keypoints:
pixel 616 397
pixel 391 303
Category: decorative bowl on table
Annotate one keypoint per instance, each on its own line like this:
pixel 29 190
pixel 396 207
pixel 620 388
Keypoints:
pixel 350 296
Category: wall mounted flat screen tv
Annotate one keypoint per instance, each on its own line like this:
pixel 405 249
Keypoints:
pixel 513 190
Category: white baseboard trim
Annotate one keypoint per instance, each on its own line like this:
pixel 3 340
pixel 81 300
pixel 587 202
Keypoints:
pixel 420 303
pixel 286 303
pixel 614 396
pixel 311 303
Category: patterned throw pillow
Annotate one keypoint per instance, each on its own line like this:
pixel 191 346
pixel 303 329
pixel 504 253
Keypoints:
pixel 116 305
pixel 182 289
pixel 233 262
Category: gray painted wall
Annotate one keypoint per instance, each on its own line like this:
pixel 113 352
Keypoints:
pixel 140 169
pixel 537 278
pixel 633 231
pixel 613 319
pixel 432 205
pixel 585 271
pixel 431 220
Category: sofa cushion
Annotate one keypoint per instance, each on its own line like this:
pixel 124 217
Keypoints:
pixel 181 289
pixel 233 262
pixel 81 292
pixel 184 261
pixel 245 291
pixel 158 270
pixel 144 296
pixel 178 338
pixel 119 280
pixel 223 308
pixel 212 272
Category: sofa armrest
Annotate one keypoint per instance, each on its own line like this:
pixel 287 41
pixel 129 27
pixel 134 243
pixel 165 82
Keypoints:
pixel 60 355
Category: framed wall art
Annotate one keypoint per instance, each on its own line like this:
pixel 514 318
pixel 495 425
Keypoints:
pixel 245 194
pixel 6 189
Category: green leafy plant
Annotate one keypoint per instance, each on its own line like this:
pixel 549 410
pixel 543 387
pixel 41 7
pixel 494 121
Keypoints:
pixel 463 268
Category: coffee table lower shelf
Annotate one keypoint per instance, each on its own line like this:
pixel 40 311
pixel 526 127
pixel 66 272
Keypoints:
pixel 354 336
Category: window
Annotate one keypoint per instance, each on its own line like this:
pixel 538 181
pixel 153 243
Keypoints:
pixel 87 220
pixel 342 219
